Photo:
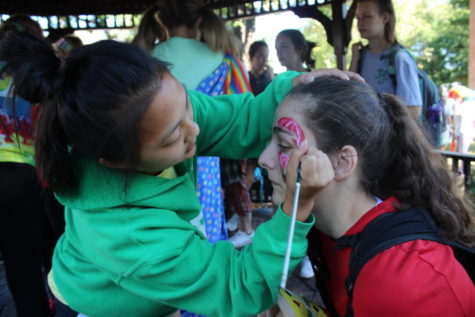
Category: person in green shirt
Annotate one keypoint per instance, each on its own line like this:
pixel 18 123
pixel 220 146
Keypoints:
pixel 117 141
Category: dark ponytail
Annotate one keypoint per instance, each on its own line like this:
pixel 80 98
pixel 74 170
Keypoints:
pixel 395 157
pixel 25 25
pixel 418 176
pixel 33 65
pixel 308 59
pixel 92 102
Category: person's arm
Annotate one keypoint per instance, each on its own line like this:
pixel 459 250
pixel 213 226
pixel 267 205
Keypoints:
pixel 176 266
pixel 408 83
pixel 238 126
pixel 355 56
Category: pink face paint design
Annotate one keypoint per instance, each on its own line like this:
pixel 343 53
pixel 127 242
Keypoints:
pixel 293 127
pixel 283 160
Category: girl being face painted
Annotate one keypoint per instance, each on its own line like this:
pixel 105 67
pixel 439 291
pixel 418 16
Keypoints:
pixel 289 132
pixel 289 125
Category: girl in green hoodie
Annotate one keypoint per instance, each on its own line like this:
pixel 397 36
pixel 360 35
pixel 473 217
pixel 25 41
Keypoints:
pixel 117 140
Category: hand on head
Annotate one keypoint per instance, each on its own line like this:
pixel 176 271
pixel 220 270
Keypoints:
pixel 316 173
pixel 310 76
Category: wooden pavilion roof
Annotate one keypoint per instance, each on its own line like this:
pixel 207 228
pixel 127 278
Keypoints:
pixel 62 15
pixel 100 14
pixel 100 7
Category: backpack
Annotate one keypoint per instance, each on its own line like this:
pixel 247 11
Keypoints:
pixel 431 110
pixel 384 232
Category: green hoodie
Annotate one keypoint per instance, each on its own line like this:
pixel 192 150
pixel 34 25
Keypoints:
pixel 137 253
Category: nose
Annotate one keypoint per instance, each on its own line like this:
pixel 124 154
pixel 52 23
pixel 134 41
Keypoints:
pixel 267 158
pixel 193 131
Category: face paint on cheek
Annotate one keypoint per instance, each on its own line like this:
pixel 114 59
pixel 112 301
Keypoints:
pixel 292 126
pixel 283 160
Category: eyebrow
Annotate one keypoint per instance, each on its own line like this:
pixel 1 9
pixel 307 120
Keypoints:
pixel 278 129
pixel 172 130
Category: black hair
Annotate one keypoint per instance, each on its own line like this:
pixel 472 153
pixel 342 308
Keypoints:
pixel 395 156
pixel 301 44
pixel 20 23
pixel 91 102
pixel 255 47
pixel 15 24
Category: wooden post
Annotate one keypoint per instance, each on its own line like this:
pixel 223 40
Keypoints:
pixel 471 49
pixel 338 33
pixel 337 29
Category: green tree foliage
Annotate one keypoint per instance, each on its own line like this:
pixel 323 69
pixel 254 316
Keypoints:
pixel 323 53
pixel 436 31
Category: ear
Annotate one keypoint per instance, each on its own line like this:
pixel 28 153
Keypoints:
pixel 346 161
pixel 111 164
pixel 386 17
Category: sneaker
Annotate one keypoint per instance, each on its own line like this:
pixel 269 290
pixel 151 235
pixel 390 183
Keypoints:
pixel 240 239
pixel 232 223
pixel 306 270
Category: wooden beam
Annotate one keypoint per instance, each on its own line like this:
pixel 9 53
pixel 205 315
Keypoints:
pixel 315 13
pixel 338 34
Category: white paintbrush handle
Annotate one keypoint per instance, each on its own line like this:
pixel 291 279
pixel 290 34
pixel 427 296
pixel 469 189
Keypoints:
pixel 291 236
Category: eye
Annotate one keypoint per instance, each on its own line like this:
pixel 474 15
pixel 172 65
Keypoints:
pixel 174 141
pixel 284 148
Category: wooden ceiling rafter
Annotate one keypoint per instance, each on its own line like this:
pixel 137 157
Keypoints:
pixel 60 15
pixel 108 14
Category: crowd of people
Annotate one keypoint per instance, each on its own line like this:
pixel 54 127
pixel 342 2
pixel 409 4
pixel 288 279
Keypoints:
pixel 122 164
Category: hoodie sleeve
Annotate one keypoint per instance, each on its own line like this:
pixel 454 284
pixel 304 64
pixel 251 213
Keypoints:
pixel 181 269
pixel 238 126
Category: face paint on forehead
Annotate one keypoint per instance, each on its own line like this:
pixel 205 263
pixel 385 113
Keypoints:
pixel 292 126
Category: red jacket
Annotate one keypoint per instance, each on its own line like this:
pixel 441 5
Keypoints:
pixel 415 278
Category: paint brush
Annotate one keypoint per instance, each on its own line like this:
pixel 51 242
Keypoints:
pixel 291 230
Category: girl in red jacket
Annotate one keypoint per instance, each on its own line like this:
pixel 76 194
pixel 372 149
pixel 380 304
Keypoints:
pixel 371 158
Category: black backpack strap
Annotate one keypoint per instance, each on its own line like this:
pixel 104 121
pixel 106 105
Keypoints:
pixel 466 256
pixel 382 233
pixel 321 271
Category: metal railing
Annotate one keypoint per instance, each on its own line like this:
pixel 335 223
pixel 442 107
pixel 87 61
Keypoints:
pixel 467 160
